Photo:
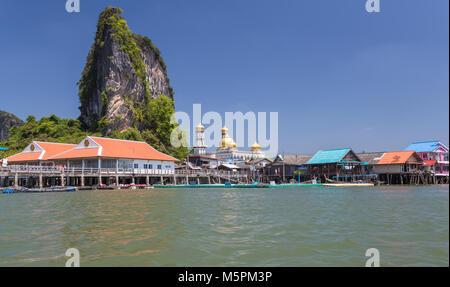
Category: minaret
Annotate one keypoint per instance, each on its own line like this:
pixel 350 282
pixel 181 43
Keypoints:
pixel 200 147
pixel 256 151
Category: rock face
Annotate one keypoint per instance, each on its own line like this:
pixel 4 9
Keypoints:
pixel 7 121
pixel 123 72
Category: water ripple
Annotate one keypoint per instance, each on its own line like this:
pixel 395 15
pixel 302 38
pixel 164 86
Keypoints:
pixel 286 227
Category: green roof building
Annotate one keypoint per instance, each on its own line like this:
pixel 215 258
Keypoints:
pixel 335 164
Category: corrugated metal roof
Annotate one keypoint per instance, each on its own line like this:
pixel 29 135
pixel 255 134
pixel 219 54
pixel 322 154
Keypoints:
pixel 292 159
pixel 428 146
pixel 328 156
pixel 370 158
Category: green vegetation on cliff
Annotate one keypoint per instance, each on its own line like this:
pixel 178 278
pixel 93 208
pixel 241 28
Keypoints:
pixel 158 128
pixel 111 22
pixel 7 120
pixel 48 129
pixel 55 129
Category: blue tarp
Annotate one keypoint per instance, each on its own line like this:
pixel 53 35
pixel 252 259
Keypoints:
pixel 2 148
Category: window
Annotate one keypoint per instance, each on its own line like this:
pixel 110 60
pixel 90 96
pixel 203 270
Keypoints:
pixel 125 163
pixel 407 167
pixel 108 163
pixel 445 168
pixel 425 155
pixel 150 166
pixel 136 165
pixel 145 166
pixel 159 166
pixel 445 156
pixel 91 163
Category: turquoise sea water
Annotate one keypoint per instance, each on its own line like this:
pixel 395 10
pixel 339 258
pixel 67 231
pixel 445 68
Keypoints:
pixel 307 226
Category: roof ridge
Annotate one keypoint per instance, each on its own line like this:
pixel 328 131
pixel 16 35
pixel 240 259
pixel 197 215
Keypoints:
pixel 53 143
pixel 336 149
pixel 117 139
pixel 140 142
pixel 438 141
pixel 66 151
pixel 160 151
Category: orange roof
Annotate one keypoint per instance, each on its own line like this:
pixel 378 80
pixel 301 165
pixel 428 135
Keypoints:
pixel 429 162
pixel 400 157
pixel 48 150
pixel 77 153
pixel 26 156
pixel 114 148
pixel 51 149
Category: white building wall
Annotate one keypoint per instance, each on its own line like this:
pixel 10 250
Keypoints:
pixel 141 164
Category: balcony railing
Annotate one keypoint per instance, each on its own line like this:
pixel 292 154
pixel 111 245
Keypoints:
pixel 20 169
pixel 76 171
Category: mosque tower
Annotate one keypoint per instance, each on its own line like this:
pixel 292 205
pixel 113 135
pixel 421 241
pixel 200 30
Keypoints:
pixel 256 151
pixel 200 147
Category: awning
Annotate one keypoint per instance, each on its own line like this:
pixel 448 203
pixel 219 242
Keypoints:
pixel 230 166
pixel 429 162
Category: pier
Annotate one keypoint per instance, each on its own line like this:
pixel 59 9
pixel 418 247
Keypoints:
pixel 51 176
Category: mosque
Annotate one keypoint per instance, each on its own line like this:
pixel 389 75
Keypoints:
pixel 227 150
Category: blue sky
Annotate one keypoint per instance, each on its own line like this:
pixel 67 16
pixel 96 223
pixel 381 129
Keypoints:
pixel 337 75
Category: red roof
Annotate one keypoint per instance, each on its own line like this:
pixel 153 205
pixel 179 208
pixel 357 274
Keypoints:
pixel 114 148
pixel 400 157
pixel 429 162
pixel 48 150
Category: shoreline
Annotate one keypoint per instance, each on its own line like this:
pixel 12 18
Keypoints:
pixel 13 190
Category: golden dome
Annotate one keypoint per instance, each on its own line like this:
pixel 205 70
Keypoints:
pixel 227 142
pixel 256 146
pixel 200 127
pixel 224 130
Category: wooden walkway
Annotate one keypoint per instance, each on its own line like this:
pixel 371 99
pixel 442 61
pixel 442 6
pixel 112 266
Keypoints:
pixel 42 176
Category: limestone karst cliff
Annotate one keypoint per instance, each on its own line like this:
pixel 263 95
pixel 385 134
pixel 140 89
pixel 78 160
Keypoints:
pixel 7 121
pixel 124 71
